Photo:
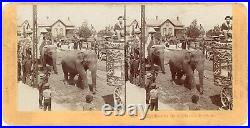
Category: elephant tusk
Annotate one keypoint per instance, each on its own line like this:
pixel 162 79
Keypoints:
pixel 166 63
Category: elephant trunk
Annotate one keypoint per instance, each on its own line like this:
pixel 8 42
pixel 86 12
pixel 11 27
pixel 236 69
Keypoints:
pixel 54 63
pixel 93 75
pixel 162 64
pixel 201 74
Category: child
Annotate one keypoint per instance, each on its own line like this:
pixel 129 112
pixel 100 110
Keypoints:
pixel 153 97
pixel 41 82
pixel 88 106
pixel 194 105
pixel 149 80
pixel 47 97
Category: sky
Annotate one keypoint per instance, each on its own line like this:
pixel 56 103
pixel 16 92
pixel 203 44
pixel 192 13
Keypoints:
pixel 101 15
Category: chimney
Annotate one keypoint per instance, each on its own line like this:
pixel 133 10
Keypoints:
pixel 177 18
pixel 156 17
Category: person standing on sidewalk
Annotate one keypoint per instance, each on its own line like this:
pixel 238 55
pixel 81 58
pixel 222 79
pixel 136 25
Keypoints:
pixel 47 97
pixel 42 81
pixel 153 97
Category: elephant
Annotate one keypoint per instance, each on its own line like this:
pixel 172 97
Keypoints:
pixel 156 57
pixel 77 63
pixel 185 62
pixel 48 56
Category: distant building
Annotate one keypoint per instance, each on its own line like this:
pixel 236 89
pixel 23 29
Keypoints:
pixel 59 27
pixel 171 27
pixel 24 28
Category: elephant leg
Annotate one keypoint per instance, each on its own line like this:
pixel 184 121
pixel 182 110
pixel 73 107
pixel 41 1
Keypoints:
pixel 71 79
pixel 189 81
pixel 65 72
pixel 93 75
pixel 54 66
pixel 201 89
pixel 79 83
pixel 172 70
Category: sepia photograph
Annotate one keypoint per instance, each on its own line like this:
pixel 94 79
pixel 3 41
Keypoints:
pixel 81 56
pixel 125 63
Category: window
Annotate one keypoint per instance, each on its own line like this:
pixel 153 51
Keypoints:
pixel 56 31
pixel 170 31
pixel 164 31
pixel 61 31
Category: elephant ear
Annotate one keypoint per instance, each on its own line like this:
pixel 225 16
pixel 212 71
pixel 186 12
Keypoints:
pixel 80 56
pixel 187 57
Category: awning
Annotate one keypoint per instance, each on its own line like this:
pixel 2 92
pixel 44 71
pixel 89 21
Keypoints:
pixel 151 30
pixel 43 30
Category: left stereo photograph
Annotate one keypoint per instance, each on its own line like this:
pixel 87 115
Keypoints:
pixel 67 59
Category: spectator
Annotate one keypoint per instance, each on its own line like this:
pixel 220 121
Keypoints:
pixel 119 27
pixel 88 105
pixel 47 97
pixel 42 81
pixel 194 105
pixel 154 97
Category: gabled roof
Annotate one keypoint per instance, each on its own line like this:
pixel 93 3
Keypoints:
pixel 159 22
pixel 21 23
pixel 154 22
pixel 176 22
pixel 50 22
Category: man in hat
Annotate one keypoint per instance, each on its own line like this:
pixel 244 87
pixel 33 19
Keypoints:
pixel 226 27
pixel 119 27
pixel 47 97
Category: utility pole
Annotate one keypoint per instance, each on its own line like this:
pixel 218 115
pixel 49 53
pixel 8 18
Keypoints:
pixel 34 55
pixel 125 53
pixel 142 48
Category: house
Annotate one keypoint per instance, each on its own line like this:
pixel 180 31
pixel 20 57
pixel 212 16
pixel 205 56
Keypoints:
pixel 24 28
pixel 171 27
pixel 59 27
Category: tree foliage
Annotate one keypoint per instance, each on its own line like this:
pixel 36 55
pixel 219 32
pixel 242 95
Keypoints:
pixel 105 32
pixel 84 32
pixel 193 30
pixel 214 32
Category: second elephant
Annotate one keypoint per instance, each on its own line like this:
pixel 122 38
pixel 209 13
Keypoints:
pixel 185 62
pixel 78 63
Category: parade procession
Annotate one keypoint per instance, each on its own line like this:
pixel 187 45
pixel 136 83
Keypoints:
pixel 163 61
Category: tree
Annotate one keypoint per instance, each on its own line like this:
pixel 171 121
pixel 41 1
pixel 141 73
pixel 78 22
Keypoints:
pixel 84 32
pixel 214 32
pixel 193 30
pixel 105 32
